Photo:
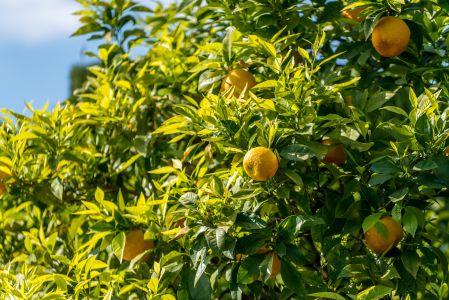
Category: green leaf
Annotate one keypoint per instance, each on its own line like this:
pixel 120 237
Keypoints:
pixel 443 263
pixel 297 152
pixel 355 271
pixel 293 225
pixel 249 270
pixel 377 100
pixel 200 269
pixel 411 262
pixel 304 53
pixel 249 221
pixel 57 188
pixel 208 78
pixel 163 170
pixel 25 135
pixel 425 165
pixel 413 98
pixel 396 212
pixel 118 245
pixel 227 44
pixel 220 236
pixel 328 295
pixel 293 279
pixel 99 195
pixel 410 221
pixel 385 167
pixel 128 163
pixel 189 200
pixel 295 177
pixel 88 28
pixel 419 214
pixel 443 291
pixel 371 22
pixel 318 43
pixel 140 142
pixel 399 195
pixel 268 84
pixel 377 179
pixel 396 110
pixel 371 220
pixel 374 293
pixel 202 289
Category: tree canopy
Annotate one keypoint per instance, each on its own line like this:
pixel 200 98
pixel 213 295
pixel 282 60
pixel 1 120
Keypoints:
pixel 153 145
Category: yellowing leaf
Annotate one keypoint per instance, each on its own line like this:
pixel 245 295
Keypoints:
pixel 163 170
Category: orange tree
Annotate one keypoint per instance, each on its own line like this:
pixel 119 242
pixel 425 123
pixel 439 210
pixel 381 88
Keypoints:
pixel 267 149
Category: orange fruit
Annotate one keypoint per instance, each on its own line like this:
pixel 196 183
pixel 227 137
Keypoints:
pixel 353 14
pixel 275 266
pixel 335 154
pixel 135 244
pixel 390 37
pixel 380 243
pixel 240 80
pixel 260 163
pixel 2 188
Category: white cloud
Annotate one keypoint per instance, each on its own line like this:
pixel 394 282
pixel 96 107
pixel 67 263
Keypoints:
pixel 37 21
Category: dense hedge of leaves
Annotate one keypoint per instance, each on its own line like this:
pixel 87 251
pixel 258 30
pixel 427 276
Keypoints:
pixel 150 142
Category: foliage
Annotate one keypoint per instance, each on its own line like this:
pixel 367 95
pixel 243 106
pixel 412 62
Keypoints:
pixel 150 142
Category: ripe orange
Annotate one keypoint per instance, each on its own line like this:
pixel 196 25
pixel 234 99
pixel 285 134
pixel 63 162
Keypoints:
pixel 353 14
pixel 239 80
pixel 135 244
pixel 391 36
pixel 377 242
pixel 260 163
pixel 335 154
pixel 275 266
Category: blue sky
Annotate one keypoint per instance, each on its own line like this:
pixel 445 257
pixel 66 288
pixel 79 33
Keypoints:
pixel 36 52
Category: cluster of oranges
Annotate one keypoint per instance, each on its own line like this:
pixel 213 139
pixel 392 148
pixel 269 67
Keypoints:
pixel 390 37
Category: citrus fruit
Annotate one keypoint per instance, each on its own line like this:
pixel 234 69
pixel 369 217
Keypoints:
pixel 446 151
pixel 379 241
pixel 260 163
pixel 2 188
pixel 238 80
pixel 135 244
pixel 390 36
pixel 353 14
pixel 335 154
